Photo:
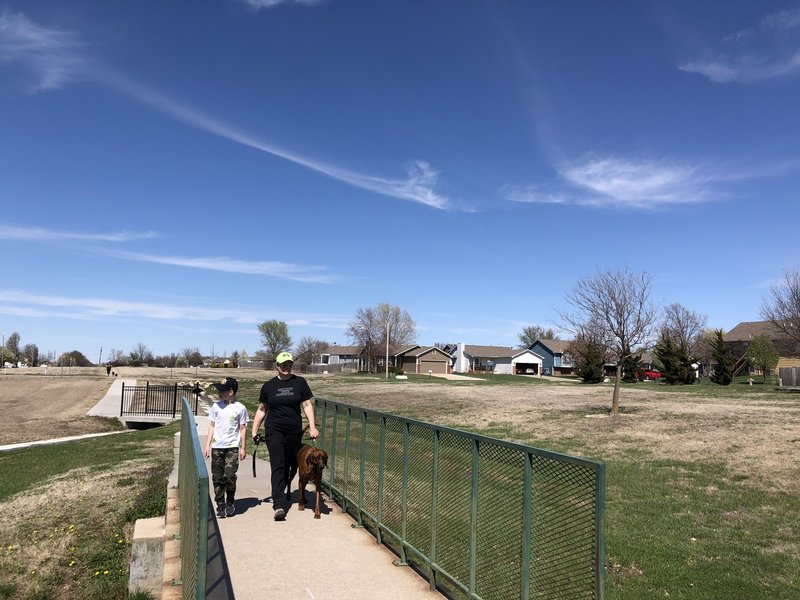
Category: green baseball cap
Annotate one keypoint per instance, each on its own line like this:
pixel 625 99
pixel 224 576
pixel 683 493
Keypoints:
pixel 284 357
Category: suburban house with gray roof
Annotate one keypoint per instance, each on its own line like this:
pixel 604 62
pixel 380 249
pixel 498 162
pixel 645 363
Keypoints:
pixel 556 358
pixel 419 359
pixel 469 358
pixel 738 340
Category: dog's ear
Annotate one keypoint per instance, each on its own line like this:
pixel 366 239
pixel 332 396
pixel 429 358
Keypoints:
pixel 310 460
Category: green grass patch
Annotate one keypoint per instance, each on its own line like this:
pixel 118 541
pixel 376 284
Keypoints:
pixel 73 507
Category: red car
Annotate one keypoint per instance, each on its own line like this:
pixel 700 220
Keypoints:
pixel 652 375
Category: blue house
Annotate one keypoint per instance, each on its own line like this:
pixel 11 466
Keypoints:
pixel 556 358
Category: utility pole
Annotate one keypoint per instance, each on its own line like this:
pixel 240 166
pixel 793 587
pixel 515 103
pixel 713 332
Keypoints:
pixel 387 347
pixel 100 358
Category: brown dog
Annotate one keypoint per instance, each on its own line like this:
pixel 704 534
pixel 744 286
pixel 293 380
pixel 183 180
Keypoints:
pixel 310 463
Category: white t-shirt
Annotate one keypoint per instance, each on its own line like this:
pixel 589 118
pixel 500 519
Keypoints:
pixel 227 419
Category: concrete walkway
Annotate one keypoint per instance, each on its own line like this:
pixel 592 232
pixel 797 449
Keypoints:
pixel 110 403
pixel 302 557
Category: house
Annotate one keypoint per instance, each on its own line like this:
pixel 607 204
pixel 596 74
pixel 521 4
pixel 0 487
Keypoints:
pixel 471 359
pixel 338 359
pixel 526 362
pixel 738 341
pixel 418 359
pixel 556 358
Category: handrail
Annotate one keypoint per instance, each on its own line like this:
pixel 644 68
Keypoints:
pixel 481 516
pixel 193 494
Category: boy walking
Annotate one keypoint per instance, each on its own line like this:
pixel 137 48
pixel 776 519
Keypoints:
pixel 225 444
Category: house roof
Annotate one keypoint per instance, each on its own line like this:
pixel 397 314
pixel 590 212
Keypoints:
pixel 556 346
pixel 519 353
pixel 747 330
pixel 490 351
pixel 343 350
pixel 419 351
pixel 405 349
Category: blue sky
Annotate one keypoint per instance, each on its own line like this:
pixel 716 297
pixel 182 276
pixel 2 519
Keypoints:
pixel 174 173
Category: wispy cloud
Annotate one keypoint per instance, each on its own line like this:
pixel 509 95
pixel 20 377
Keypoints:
pixel 82 308
pixel 54 56
pixel 41 234
pixel 614 182
pixel 259 4
pixel 767 51
pixel 293 272
pixel 58 57
pixel 20 303
pixel 417 186
pixel 635 183
pixel 533 194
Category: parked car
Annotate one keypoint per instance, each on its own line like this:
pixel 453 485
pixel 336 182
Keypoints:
pixel 652 375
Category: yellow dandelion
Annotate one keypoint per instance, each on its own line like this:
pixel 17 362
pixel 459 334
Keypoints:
pixel 72 562
pixel 105 572
pixel 33 572
pixel 97 573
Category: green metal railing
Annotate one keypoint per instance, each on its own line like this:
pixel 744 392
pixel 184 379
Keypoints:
pixel 481 517
pixel 193 493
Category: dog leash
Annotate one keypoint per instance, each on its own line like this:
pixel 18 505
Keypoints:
pixel 258 438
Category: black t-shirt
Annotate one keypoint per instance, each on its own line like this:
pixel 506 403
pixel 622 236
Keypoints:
pixel 282 398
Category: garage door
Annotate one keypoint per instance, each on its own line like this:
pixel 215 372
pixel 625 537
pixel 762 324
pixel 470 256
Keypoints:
pixel 435 366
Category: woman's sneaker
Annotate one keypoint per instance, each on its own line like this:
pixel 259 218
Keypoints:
pixel 279 515
pixel 230 509
pixel 221 511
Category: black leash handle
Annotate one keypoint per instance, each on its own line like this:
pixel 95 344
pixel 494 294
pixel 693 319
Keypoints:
pixel 257 439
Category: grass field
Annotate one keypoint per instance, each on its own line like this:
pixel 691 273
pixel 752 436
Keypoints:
pixel 702 498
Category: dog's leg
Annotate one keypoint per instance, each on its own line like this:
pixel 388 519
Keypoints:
pixel 301 494
pixel 317 485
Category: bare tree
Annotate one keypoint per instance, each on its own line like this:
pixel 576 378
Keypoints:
pixel 684 328
pixel 30 354
pixel 116 357
pixel 191 356
pixel 616 307
pixel 275 336
pixel 311 347
pixel 784 310
pixel 141 355
pixel 531 333
pixel 380 326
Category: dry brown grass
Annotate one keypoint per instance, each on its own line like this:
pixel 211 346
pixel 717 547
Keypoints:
pixel 756 437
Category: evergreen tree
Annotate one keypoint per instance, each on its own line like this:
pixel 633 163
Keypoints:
pixel 723 373
pixel 590 362
pixel 631 367
pixel 676 364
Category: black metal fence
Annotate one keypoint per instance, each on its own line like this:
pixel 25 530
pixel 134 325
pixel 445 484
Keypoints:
pixel 157 400
pixel 481 517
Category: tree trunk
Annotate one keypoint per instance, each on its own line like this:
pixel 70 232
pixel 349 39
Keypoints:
pixel 617 380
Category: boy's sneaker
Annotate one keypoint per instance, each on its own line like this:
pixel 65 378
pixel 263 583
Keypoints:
pixel 221 511
pixel 279 515
pixel 230 509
